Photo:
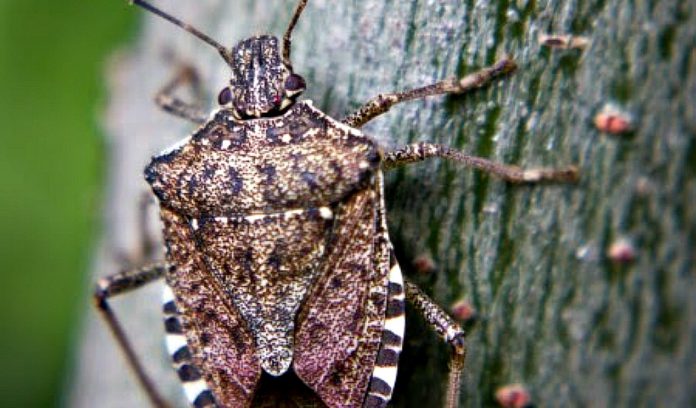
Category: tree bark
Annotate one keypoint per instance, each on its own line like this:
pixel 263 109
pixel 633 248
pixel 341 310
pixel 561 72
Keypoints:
pixel 555 312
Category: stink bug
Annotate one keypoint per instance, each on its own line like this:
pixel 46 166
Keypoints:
pixel 282 288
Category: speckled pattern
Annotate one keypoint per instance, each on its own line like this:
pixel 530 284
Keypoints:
pixel 277 232
pixel 230 168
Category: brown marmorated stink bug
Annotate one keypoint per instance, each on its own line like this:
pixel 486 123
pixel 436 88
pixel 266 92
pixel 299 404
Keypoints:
pixel 282 288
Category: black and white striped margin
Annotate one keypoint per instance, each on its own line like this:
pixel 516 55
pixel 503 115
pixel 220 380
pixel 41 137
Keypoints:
pixel 195 387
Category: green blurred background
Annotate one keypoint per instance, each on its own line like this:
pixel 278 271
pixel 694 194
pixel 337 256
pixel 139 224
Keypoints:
pixel 52 58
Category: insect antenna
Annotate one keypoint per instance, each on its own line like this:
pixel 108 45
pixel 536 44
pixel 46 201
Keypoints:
pixel 286 38
pixel 149 7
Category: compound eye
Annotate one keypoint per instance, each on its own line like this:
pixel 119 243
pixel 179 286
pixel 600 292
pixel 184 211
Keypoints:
pixel 225 96
pixel 294 84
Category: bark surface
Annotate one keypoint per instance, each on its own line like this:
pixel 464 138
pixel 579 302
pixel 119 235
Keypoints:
pixel 555 313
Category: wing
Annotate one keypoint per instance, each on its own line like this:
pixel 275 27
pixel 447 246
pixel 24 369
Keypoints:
pixel 341 339
pixel 219 345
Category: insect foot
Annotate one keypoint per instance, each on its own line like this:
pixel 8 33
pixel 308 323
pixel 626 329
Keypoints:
pixel 282 287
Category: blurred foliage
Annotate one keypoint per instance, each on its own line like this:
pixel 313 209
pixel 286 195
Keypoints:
pixel 52 58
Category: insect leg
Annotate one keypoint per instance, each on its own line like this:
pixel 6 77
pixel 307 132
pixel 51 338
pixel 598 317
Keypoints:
pixel 147 245
pixel 166 99
pixel 120 283
pixel 449 330
pixel 417 152
pixel 383 102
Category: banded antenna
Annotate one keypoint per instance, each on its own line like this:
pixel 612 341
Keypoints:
pixel 288 33
pixel 193 30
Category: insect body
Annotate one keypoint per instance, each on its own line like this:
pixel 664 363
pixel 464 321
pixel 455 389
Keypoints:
pixel 279 263
pixel 266 215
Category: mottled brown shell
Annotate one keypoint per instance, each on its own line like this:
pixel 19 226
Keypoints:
pixel 301 159
pixel 275 227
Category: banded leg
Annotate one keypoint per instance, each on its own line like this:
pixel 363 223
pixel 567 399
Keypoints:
pixel 450 331
pixel 421 151
pixel 120 283
pixel 383 102
pixel 166 99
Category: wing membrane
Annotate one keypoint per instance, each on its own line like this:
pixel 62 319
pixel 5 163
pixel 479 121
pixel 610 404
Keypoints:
pixel 340 329
pixel 220 343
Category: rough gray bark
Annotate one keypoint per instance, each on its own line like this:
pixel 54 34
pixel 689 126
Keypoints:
pixel 556 314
